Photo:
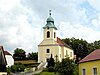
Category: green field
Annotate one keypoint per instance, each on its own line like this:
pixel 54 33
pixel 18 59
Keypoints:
pixel 28 63
pixel 47 73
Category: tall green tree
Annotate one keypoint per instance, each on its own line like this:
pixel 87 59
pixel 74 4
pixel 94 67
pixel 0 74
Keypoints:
pixel 97 44
pixel 50 64
pixel 93 46
pixel 32 56
pixel 19 54
pixel 79 46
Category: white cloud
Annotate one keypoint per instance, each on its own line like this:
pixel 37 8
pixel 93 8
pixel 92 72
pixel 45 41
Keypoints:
pixel 6 5
pixel 78 31
pixel 21 22
pixel 15 28
pixel 96 22
pixel 95 4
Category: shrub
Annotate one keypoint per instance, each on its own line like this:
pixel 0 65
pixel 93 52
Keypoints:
pixel 67 67
pixel 51 69
pixel 45 70
pixel 18 67
pixel 8 70
pixel 13 68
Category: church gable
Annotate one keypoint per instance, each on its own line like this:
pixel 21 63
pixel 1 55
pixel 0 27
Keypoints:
pixel 48 42
pixel 61 43
pixel 58 42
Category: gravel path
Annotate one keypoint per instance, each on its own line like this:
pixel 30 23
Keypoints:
pixel 26 73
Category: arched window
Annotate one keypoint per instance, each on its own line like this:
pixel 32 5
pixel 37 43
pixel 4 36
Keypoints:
pixel 54 35
pixel 48 34
pixel 48 50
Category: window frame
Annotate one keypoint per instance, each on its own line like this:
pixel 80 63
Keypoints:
pixel 84 71
pixel 47 50
pixel 70 54
pixel 48 34
pixel 54 34
pixel 66 54
pixel 93 71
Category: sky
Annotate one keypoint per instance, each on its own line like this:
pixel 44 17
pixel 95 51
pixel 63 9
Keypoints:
pixel 22 21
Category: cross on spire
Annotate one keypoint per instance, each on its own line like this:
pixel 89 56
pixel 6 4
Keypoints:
pixel 56 57
pixel 50 12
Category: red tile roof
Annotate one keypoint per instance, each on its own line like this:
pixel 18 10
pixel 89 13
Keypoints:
pixel 61 43
pixel 7 53
pixel 95 55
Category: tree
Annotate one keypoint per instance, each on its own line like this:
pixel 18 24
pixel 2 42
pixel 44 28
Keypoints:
pixel 80 47
pixel 51 62
pixel 32 56
pixel 19 54
pixel 67 67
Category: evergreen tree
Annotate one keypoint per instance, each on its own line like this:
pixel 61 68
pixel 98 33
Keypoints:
pixel 51 62
pixel 32 56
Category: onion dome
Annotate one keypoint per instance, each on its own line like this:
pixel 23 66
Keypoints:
pixel 50 22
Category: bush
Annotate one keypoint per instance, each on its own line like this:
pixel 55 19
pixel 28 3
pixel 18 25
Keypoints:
pixel 18 67
pixel 51 69
pixel 76 71
pixel 67 67
pixel 8 70
pixel 45 70
pixel 13 68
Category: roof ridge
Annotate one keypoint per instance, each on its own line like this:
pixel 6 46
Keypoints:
pixel 60 42
pixel 94 55
pixel 7 53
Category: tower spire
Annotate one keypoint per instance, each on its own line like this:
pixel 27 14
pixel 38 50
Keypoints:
pixel 50 12
pixel 50 22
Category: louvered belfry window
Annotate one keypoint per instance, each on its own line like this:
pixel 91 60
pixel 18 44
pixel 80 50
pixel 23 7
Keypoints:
pixel 48 34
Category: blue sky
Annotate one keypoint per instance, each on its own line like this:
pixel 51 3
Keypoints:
pixel 21 21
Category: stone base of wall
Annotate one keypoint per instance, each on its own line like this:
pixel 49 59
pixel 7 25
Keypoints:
pixel 3 73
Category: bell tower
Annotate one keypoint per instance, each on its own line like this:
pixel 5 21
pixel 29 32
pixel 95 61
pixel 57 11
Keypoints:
pixel 49 28
pixel 51 44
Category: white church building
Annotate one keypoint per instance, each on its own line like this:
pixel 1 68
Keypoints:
pixel 51 44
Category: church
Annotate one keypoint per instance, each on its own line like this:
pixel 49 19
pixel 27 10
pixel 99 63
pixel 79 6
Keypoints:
pixel 51 44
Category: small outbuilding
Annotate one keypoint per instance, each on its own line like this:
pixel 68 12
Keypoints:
pixel 9 59
pixel 90 65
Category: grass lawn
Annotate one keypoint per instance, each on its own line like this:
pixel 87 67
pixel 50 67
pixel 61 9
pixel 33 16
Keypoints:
pixel 47 73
